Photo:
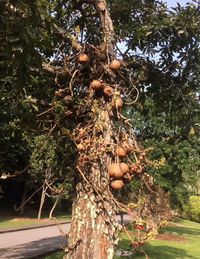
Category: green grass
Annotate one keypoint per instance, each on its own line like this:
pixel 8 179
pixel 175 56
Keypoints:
pixel 188 248
pixel 8 223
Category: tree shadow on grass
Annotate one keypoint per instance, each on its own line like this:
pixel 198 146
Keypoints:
pixel 181 230
pixel 154 252
pixel 166 252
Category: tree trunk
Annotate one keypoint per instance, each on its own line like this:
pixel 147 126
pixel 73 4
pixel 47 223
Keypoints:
pixel 94 228
pixel 53 208
pixel 93 232
pixel 42 200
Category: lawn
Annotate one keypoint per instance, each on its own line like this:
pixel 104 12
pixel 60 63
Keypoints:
pixel 8 223
pixel 183 242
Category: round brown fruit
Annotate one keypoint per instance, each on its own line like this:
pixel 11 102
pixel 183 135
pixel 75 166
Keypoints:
pixel 124 167
pixel 68 99
pixel 80 147
pixel 115 64
pixel 120 152
pixel 126 146
pixel 108 90
pixel 117 184
pixel 117 103
pixel 115 171
pixel 96 85
pixel 83 58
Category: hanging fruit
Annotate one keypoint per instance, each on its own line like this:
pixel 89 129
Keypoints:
pixel 115 64
pixel 124 167
pixel 115 171
pixel 118 170
pixel 117 184
pixel 120 152
pixel 68 99
pixel 96 85
pixel 108 90
pixel 83 58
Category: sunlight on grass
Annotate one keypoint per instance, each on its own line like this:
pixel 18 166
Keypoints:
pixel 14 223
pixel 186 248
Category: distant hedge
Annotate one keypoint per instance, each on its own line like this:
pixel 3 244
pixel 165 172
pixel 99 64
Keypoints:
pixel 192 209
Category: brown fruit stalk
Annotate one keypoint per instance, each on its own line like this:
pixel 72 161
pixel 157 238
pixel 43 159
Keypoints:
pixel 137 169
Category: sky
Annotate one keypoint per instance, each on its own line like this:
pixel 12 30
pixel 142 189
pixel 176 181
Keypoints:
pixel 172 3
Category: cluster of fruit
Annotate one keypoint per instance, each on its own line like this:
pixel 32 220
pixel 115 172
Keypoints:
pixel 122 173
pixel 99 85
pixel 119 173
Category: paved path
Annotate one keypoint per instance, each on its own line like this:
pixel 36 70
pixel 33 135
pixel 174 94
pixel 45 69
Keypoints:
pixel 33 243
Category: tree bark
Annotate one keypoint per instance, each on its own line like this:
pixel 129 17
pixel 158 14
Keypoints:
pixel 53 208
pixel 93 231
pixel 94 228
pixel 42 200
pixel 107 25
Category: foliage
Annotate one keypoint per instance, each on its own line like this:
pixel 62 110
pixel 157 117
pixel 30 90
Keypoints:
pixel 28 37
pixel 192 208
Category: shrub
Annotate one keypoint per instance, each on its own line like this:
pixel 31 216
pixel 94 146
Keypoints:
pixel 192 209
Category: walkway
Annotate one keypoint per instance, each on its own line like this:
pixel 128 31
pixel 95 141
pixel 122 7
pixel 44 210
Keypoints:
pixel 35 242
pixel 31 243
